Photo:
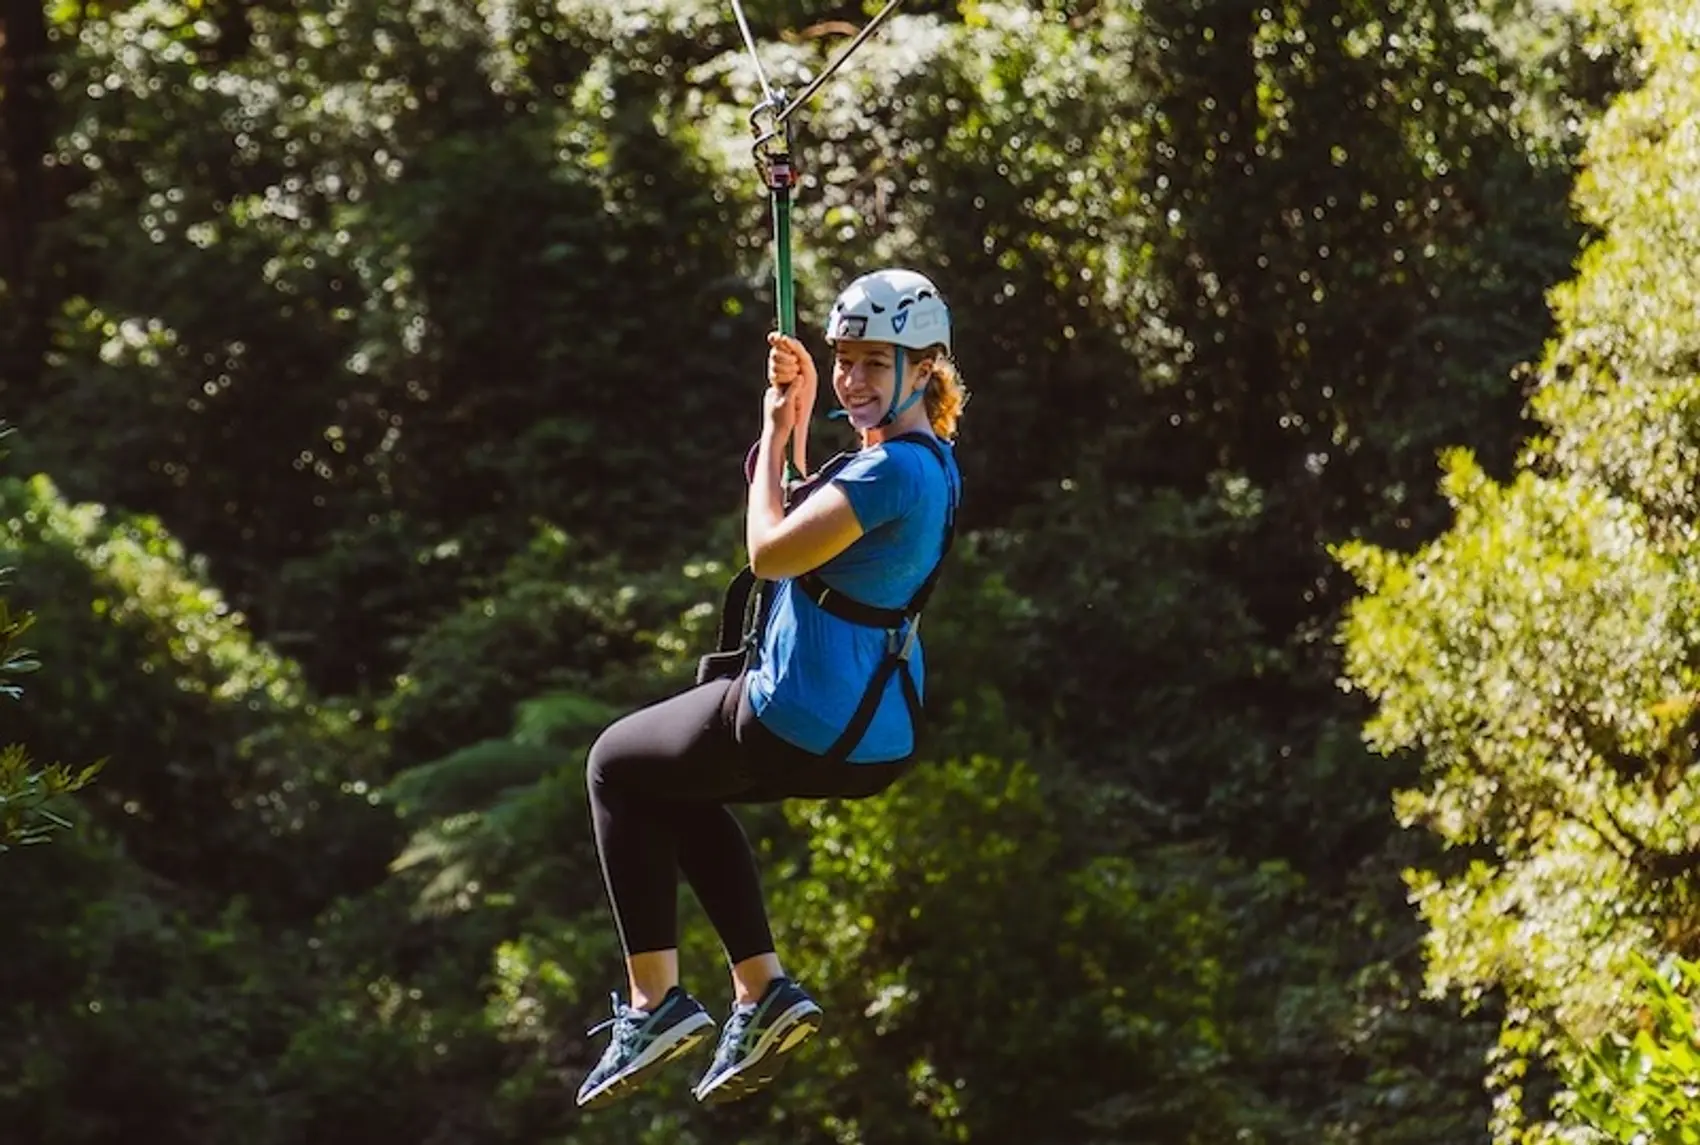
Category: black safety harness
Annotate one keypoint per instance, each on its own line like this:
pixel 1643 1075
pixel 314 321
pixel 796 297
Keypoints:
pixel 743 616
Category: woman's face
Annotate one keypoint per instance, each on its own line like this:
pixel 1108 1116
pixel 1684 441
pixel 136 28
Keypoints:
pixel 863 379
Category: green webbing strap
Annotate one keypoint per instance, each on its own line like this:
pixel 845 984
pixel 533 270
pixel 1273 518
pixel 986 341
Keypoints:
pixel 786 293
pixel 780 176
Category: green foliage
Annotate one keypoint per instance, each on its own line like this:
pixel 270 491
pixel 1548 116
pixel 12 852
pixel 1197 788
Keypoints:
pixel 482 814
pixel 1539 658
pixel 284 344
pixel 1620 393
pixel 28 791
pixel 1530 656
pixel 396 362
pixel 14 661
pixel 224 764
pixel 114 965
pixel 1644 1090
pixel 555 617
pixel 892 911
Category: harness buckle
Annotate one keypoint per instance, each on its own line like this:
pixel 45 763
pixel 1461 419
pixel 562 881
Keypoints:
pixel 900 642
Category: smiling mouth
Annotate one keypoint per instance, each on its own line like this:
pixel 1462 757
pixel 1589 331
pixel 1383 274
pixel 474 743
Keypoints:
pixel 864 403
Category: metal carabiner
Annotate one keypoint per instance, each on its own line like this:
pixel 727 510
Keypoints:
pixel 772 147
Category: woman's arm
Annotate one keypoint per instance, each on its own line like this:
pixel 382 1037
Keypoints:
pixel 800 443
pixel 780 546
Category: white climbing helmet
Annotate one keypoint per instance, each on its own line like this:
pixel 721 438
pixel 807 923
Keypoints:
pixel 893 305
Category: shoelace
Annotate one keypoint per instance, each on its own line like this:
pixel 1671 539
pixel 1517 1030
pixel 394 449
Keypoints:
pixel 732 1039
pixel 624 1023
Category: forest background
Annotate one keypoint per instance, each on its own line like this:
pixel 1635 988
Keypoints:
pixel 1314 678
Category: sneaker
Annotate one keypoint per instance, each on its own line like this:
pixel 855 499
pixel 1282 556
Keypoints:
pixel 643 1042
pixel 756 1040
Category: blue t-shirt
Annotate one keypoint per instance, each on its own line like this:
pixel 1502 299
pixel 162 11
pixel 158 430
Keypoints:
pixel 812 667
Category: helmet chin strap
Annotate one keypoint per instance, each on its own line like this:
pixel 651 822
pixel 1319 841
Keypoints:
pixel 896 409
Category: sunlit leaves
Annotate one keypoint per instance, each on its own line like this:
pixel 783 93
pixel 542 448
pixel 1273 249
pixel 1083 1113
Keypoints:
pixel 1622 394
pixel 1540 656
pixel 28 792
pixel 1644 1089
pixel 1529 655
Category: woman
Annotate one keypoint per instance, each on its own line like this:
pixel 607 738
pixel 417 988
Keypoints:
pixel 818 712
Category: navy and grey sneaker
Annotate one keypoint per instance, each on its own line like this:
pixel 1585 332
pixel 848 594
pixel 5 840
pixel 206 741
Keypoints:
pixel 756 1040
pixel 643 1042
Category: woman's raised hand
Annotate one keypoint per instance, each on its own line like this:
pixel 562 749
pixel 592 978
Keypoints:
pixel 791 380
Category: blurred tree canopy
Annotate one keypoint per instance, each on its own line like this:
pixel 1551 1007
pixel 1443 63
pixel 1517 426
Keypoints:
pixel 384 373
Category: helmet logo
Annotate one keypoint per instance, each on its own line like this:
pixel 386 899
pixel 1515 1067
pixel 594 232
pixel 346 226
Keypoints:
pixel 899 321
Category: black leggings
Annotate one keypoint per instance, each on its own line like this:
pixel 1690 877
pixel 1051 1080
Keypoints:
pixel 660 780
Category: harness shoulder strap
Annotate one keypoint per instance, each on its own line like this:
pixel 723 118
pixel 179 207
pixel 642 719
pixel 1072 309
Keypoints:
pixel 952 493
pixel 846 607
pixel 898 646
